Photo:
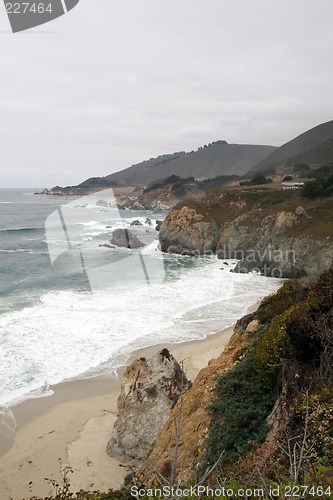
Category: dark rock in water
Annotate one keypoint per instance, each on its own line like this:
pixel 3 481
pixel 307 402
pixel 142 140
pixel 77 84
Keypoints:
pixel 108 227
pixel 102 203
pixel 149 391
pixel 125 238
pixel 148 221
pixel 158 225
pixel 136 223
pixel 107 245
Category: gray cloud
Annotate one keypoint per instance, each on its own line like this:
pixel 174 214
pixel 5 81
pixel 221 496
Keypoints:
pixel 118 82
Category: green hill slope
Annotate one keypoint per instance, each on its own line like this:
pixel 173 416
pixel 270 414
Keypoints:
pixel 210 161
pixel 313 146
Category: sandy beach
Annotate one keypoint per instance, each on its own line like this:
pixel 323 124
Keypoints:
pixel 72 428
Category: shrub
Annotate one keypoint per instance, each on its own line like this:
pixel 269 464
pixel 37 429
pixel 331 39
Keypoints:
pixel 291 291
pixel 320 187
pixel 317 408
pixel 242 401
pixel 257 180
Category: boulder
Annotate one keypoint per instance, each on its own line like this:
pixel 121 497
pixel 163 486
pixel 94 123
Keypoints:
pixel 150 389
pixel 158 225
pixel 102 203
pixel 125 238
pixel 188 231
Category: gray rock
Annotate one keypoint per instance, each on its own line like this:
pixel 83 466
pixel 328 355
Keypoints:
pixel 270 250
pixel 136 223
pixel 125 238
pixel 187 231
pixel 158 225
pixel 149 391
pixel 269 247
pixel 106 245
pixel 102 203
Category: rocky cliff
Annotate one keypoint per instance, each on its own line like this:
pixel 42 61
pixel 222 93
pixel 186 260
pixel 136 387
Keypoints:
pixel 273 232
pixel 192 415
pixel 264 407
pixel 150 389
pixel 187 230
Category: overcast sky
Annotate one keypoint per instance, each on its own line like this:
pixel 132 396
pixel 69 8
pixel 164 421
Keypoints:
pixel 114 82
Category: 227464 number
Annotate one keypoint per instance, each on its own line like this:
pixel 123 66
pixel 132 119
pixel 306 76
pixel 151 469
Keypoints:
pixel 27 7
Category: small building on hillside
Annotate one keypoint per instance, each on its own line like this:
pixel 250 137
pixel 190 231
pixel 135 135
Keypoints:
pixel 292 185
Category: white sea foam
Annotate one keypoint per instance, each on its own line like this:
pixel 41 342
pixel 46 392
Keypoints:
pixel 69 333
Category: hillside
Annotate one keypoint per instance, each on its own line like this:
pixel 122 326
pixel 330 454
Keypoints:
pixel 319 155
pixel 216 159
pixel 262 410
pixel 313 146
pixel 210 161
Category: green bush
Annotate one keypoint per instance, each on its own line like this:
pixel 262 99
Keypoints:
pixel 320 187
pixel 242 402
pixel 257 180
pixel 216 182
pixel 291 292
pixel 160 183
pixel 321 172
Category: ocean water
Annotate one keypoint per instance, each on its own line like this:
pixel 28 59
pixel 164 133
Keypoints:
pixel 70 307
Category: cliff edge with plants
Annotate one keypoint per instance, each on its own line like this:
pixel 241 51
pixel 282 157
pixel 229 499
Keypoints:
pixel 262 411
pixel 278 233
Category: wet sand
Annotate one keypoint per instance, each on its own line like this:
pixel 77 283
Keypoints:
pixel 73 426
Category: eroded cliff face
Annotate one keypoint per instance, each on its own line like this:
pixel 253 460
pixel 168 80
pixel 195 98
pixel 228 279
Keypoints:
pixel 191 415
pixel 150 389
pixel 282 240
pixel 271 248
pixel 187 231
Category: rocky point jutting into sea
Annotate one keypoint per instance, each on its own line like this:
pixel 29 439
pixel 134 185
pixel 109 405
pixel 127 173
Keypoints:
pixel 276 233
pixel 260 413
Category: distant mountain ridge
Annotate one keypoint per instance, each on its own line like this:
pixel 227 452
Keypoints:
pixel 315 146
pixel 218 158
pixel 310 149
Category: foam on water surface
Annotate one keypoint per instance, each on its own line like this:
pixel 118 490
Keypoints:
pixel 69 333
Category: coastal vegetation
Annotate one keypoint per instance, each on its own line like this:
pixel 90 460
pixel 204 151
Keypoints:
pixel 261 414
pixel 257 180
pixel 271 411
pixel 321 184
pixel 288 366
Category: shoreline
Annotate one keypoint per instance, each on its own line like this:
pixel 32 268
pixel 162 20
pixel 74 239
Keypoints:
pixel 72 427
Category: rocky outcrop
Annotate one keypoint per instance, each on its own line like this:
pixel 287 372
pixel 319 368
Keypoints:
pixel 186 230
pixel 271 248
pixel 277 242
pixel 149 391
pixel 125 238
pixel 193 417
